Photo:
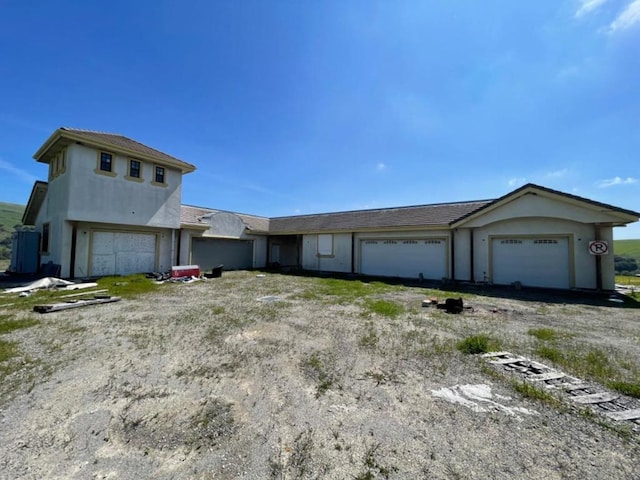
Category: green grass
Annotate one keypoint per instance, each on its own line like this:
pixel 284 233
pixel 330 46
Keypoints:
pixel 628 280
pixel 8 324
pixel 480 343
pixel 627 248
pixel 528 390
pixel 384 308
pixel 129 286
pixel 548 334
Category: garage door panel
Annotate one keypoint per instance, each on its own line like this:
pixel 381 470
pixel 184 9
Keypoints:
pixel 535 262
pixel 404 258
pixel 122 253
pixel 211 252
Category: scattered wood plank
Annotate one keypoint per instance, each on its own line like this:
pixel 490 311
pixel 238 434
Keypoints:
pixel 56 307
pixel 624 414
pixel 594 398
pixel 92 292
pixel 543 377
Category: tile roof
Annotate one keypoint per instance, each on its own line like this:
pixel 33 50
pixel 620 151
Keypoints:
pixel 190 215
pixel 399 217
pixel 115 141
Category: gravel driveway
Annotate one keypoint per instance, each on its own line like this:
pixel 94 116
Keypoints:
pixel 275 376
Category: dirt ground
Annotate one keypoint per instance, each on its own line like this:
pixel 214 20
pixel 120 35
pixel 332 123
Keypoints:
pixel 272 376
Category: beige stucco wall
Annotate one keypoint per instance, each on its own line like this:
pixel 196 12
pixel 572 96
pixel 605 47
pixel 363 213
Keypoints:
pixel 537 205
pixel 117 200
pixel 462 253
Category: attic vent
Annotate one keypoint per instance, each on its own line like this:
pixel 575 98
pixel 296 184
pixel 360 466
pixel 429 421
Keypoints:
pixel 546 240
pixel 433 242
pixel 390 242
pixel 511 241
pixel 410 242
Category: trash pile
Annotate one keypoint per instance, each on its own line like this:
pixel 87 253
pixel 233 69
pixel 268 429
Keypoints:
pixel 186 274
pixel 450 305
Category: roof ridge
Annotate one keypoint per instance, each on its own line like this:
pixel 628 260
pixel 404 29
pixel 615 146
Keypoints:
pixel 403 207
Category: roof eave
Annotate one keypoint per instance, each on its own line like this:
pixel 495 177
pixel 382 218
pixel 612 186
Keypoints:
pixel 59 134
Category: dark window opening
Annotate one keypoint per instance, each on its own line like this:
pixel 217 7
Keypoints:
pixel 159 174
pixel 105 162
pixel 134 169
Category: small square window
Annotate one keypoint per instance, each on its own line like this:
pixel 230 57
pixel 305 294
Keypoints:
pixel 134 168
pixel 106 162
pixel 159 176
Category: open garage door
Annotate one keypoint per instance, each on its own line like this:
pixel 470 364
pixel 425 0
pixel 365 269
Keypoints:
pixel 534 262
pixel 122 253
pixel 404 258
pixel 211 252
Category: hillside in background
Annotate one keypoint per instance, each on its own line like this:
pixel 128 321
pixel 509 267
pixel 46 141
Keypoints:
pixel 627 256
pixel 10 216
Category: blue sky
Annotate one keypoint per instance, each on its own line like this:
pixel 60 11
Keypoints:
pixel 293 107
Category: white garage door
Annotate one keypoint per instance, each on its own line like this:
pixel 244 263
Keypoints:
pixel 123 253
pixel 404 258
pixel 534 262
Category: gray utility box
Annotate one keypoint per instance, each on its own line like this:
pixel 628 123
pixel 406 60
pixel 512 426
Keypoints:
pixel 25 256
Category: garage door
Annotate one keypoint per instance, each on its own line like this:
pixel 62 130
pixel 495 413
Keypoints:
pixel 404 258
pixel 233 254
pixel 122 253
pixel 534 262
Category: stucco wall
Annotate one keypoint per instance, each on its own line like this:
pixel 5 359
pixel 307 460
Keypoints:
pixel 537 205
pixel 118 200
pixel 462 252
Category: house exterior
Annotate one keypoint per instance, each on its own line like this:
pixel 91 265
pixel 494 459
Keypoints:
pixel 113 206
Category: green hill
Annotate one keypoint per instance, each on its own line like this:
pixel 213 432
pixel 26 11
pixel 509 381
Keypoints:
pixel 10 216
pixel 627 248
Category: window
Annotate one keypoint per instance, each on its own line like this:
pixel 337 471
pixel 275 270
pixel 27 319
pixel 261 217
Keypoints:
pixel 57 165
pixel 134 168
pixel 44 241
pixel 159 175
pixel 325 244
pixel 106 160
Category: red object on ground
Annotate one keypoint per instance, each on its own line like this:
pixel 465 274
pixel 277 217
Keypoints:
pixel 185 271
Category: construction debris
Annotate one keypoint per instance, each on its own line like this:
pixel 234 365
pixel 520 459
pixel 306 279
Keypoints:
pixel 50 283
pixel 451 305
pixel 56 307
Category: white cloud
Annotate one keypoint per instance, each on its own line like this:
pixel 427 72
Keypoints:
pixel 516 182
pixel 587 6
pixel 610 182
pixel 381 167
pixel 18 172
pixel 558 173
pixel 629 17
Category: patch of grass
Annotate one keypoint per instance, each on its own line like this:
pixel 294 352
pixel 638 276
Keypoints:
pixel 370 338
pixel 543 334
pixel 625 388
pixel 538 394
pixel 372 467
pixel 480 343
pixel 7 350
pixel 317 368
pixel 128 286
pixel 384 308
pixel 550 353
pixel 350 290
pixel 8 324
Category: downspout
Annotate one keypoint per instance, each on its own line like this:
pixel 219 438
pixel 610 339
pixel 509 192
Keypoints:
pixel 177 257
pixel 471 259
pixel 173 244
pixel 353 253
pixel 72 260
pixel 598 261
pixel 453 255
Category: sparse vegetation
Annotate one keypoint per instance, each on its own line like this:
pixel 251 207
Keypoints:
pixel 480 343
